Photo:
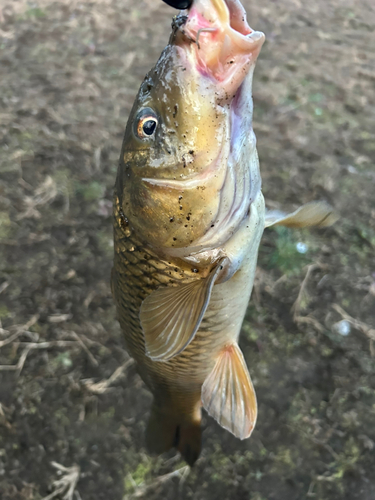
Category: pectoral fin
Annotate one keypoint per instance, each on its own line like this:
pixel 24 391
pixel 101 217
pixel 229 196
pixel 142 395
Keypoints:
pixel 170 316
pixel 316 213
pixel 228 394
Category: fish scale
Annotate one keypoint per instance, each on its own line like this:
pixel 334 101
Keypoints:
pixel 132 283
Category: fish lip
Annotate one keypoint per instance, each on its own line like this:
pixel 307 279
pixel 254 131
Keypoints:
pixel 223 41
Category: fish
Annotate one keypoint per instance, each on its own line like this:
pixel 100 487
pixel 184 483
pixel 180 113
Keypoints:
pixel 189 215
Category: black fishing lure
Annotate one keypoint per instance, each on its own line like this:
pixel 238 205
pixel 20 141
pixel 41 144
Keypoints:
pixel 179 4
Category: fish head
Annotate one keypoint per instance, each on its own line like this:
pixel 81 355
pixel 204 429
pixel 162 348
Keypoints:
pixel 178 139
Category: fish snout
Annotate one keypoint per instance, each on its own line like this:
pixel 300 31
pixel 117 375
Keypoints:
pixel 224 45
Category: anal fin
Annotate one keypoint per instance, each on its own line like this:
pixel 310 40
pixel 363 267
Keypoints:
pixel 316 213
pixel 171 316
pixel 228 394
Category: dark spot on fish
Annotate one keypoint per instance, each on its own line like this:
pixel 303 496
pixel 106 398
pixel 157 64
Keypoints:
pixel 175 110
pixel 174 239
pixel 191 152
pixel 212 225
pixel 180 207
pixel 171 219
pixel 195 270
pixel 124 222
pixel 188 217
pixel 180 197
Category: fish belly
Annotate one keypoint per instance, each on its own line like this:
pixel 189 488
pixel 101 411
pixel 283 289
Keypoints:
pixel 180 379
pixel 223 319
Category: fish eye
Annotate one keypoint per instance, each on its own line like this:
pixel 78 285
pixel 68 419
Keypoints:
pixel 146 124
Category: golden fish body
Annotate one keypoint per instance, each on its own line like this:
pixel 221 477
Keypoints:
pixel 188 218
pixel 176 384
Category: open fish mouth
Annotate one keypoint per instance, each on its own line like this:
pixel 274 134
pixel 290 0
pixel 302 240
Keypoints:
pixel 225 45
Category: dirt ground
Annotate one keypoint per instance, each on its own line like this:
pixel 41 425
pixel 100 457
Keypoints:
pixel 73 410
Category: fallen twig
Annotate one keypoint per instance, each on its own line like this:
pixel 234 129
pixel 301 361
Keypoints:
pixel 44 194
pixel 3 418
pixel 4 286
pixel 19 331
pixel 309 320
pixel 101 387
pixel 302 294
pixel 94 362
pixel 359 325
pixel 143 489
pixel 302 297
pixel 66 485
pixel 29 346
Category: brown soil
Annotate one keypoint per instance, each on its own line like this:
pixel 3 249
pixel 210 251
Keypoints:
pixel 69 71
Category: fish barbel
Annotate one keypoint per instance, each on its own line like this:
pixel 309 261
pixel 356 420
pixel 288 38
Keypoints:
pixel 188 218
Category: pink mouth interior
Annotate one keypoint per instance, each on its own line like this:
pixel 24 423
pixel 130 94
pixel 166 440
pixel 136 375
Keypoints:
pixel 238 18
pixel 224 47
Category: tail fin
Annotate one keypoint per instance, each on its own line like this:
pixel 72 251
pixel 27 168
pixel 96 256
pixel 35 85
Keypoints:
pixel 167 429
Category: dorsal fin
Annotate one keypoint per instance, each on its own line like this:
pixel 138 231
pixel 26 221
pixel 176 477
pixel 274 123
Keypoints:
pixel 228 394
pixel 170 316
pixel 316 213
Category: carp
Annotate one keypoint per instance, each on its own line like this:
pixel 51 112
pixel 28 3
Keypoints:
pixel 189 215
